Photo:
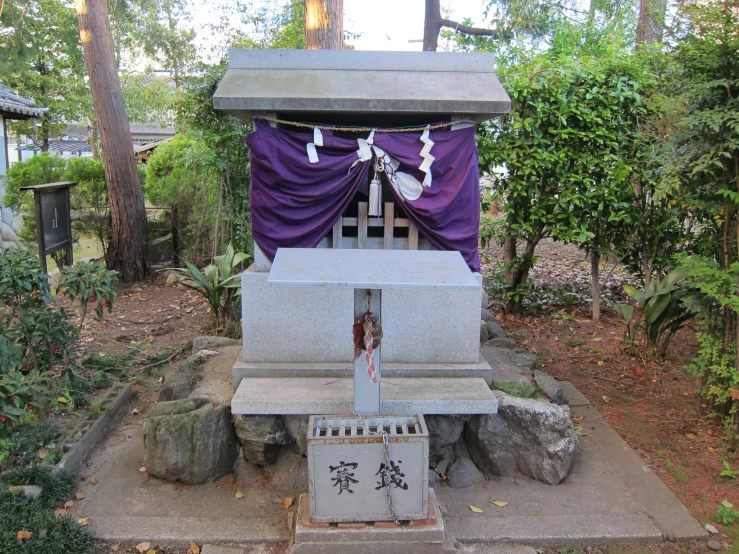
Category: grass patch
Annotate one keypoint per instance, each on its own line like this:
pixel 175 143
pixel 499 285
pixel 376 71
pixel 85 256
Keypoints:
pixel 49 534
pixel 516 388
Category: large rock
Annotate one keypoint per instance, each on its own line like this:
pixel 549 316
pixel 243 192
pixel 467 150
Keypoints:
pixel 530 436
pixel 246 472
pixel 444 430
pixel 486 315
pixel 211 343
pixel 290 472
pixel 297 426
pixel 262 437
pixel 463 473
pixel 189 440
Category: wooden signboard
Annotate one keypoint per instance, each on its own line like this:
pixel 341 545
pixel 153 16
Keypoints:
pixel 53 219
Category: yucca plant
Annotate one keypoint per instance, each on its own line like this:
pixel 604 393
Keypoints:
pixel 217 283
pixel 663 311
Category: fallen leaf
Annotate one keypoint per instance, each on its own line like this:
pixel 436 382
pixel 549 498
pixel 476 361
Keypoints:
pixel 69 503
pixel 142 469
pixel 160 380
pixel 578 418
pixel 726 504
pixel 605 399
pixel 79 496
pixel 239 494
pixel 23 535
pixel 135 411
pixel 42 453
pixel 711 449
pixel 93 481
pixel 287 502
pixel 151 551
pixel 194 548
pixel 61 400
pixel 83 521
pixel 143 546
pixel 475 509
pixel 596 339
pixel 600 362
pixel 499 503
pixel 59 512
pixel 690 436
pixel 115 548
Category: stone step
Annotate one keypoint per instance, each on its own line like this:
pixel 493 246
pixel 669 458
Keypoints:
pixel 242 369
pixel 315 395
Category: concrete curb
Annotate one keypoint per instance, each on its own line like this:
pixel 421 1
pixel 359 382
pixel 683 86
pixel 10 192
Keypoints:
pixel 97 431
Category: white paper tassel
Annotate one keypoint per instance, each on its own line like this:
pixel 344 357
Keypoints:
pixel 375 198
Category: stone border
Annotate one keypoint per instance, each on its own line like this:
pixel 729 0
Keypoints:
pixel 95 433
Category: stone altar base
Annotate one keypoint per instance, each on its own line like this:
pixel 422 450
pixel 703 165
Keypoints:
pixel 415 537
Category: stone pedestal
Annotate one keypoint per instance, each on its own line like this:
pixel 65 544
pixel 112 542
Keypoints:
pixel 413 537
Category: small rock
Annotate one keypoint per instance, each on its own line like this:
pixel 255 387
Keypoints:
pixel 714 545
pixel 31 491
pixel 178 385
pixel 262 437
pixel 463 473
pixel 297 426
pixel 550 387
pixel 495 331
pixel 210 343
pixel 711 529
pixel 483 332
pixel 486 315
pixel 205 354
pixel 508 344
pixel 172 279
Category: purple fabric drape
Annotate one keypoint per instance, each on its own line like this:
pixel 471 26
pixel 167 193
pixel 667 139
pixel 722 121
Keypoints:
pixel 295 203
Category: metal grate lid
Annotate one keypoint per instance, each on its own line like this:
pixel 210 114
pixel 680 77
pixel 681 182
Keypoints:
pixel 337 427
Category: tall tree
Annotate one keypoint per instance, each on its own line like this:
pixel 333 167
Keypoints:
pixel 40 58
pixel 433 23
pixel 324 24
pixel 167 39
pixel 128 230
pixel 651 21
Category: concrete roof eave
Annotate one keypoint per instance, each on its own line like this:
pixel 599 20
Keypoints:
pixel 460 85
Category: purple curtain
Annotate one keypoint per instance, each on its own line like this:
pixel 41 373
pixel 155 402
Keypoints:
pixel 295 203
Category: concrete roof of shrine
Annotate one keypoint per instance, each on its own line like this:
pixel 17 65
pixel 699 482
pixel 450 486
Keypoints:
pixel 432 85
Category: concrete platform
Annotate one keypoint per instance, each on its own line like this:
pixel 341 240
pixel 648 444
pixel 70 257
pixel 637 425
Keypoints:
pixel 610 497
pixel 335 396
pixel 243 369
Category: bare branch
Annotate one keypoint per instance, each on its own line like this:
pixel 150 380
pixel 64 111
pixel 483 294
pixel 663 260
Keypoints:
pixel 468 30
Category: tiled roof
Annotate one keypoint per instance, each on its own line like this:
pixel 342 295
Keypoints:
pixel 16 107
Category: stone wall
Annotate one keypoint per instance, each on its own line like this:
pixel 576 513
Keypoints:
pixel 10 222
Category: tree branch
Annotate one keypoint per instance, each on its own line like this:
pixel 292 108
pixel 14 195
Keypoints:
pixel 468 30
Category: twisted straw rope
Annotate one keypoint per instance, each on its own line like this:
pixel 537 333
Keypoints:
pixel 375 129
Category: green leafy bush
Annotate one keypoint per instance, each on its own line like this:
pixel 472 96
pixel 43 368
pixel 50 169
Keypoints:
pixel 725 513
pixel 217 283
pixel 91 284
pixel 663 311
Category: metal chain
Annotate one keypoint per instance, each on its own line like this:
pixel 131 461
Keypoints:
pixel 386 472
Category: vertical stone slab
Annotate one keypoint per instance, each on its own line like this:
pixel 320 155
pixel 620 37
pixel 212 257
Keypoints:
pixel 293 325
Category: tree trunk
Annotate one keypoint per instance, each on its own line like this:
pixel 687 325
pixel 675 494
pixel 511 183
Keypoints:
pixel 650 25
pixel 324 24
pixel 93 138
pixel 128 234
pixel 595 284
pixel 431 25
pixel 45 134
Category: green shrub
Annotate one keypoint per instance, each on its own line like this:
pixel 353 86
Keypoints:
pixel 516 388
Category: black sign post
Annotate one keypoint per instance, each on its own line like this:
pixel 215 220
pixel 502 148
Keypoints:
pixel 53 219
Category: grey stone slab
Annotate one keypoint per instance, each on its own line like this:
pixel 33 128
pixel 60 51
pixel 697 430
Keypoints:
pixel 335 396
pixel 556 530
pixel 242 369
pixel 431 326
pixel 213 549
pixel 504 370
pixel 659 503
pixel 572 396
pixel 355 60
pixel 371 269
pixel 271 319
